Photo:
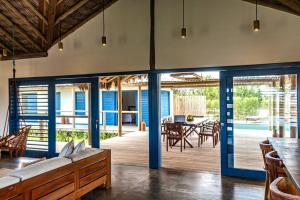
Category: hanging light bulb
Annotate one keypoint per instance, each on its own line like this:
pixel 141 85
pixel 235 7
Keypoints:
pixel 60 43
pixel 4 52
pixel 183 29
pixel 256 22
pixel 103 39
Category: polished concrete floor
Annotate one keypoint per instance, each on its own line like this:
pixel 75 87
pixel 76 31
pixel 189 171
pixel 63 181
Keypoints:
pixel 134 183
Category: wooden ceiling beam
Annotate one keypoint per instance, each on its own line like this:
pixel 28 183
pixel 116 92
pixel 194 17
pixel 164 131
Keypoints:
pixel 51 21
pixel 36 12
pixel 8 35
pixel 26 56
pixel 70 11
pixel 270 4
pixel 24 19
pixel 4 46
pixel 94 14
pixel 292 4
pixel 59 1
pixel 20 30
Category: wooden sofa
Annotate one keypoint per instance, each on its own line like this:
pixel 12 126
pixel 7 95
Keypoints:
pixel 74 177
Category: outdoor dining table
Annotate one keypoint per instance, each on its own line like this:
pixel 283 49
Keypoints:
pixel 191 128
pixel 288 150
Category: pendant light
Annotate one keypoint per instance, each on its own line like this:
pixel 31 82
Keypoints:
pixel 256 22
pixel 183 29
pixel 103 26
pixel 4 52
pixel 60 43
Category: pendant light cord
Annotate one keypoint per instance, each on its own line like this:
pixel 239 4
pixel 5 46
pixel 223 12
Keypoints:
pixel 183 14
pixel 60 31
pixel 13 51
pixel 256 10
pixel 103 19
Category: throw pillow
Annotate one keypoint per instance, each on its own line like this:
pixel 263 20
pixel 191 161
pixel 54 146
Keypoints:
pixel 67 149
pixel 79 147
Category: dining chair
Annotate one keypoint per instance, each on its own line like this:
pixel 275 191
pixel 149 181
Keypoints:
pixel 175 133
pixel 274 166
pixel 282 189
pixel 210 129
pixel 163 128
pixel 265 148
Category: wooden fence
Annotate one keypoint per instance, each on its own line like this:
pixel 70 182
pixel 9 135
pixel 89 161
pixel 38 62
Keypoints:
pixel 190 105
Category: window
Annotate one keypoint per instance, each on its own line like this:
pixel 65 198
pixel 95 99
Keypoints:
pixel 79 103
pixel 30 103
pixel 58 103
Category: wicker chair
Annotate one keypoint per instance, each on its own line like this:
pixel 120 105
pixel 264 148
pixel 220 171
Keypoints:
pixel 282 189
pixel 265 148
pixel 16 143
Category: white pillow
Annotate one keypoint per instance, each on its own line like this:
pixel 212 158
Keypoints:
pixel 79 147
pixel 67 150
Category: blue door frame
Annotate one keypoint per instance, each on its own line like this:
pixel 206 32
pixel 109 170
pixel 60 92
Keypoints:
pixel 94 102
pixel 226 113
pixel 154 108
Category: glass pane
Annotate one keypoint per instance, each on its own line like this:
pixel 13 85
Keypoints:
pixel 72 104
pixel 263 106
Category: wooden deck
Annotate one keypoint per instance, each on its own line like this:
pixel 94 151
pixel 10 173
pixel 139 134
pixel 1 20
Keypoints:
pixel 132 149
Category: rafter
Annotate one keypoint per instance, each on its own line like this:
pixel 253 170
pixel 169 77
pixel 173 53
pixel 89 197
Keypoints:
pixel 85 20
pixel 20 30
pixel 59 1
pixel 5 47
pixel 33 9
pixel 4 32
pixel 26 55
pixel 51 21
pixel 71 10
pixel 292 4
pixel 270 4
pixel 24 19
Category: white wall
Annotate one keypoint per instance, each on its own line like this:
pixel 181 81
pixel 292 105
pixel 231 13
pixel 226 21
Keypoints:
pixel 219 33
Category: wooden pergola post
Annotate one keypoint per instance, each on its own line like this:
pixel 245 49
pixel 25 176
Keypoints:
pixel 119 106
pixel 293 106
pixel 281 106
pixel 140 107
pixel 274 113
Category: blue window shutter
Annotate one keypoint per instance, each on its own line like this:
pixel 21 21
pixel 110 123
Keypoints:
pixel 145 107
pixel 79 103
pixel 58 103
pixel 165 103
pixel 30 101
pixel 110 103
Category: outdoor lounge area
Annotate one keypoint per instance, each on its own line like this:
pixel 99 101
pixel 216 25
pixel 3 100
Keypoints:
pixel 149 99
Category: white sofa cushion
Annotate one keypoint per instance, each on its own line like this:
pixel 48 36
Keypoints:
pixel 8 181
pixel 40 168
pixel 84 154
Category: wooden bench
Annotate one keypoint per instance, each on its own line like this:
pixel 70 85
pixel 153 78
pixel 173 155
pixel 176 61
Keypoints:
pixel 71 181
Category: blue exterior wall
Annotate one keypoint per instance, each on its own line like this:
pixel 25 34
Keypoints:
pixel 110 102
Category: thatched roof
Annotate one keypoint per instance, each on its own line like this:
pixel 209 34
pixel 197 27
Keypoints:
pixel 37 23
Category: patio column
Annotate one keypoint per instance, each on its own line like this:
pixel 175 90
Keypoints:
pixel 154 121
pixel 293 106
pixel 119 106
pixel 281 105
pixel 274 113
pixel 139 107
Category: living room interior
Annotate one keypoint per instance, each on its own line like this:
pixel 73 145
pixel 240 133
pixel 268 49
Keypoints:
pixel 149 99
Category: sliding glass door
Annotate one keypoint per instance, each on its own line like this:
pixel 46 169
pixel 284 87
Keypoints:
pixel 76 102
pixel 256 105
